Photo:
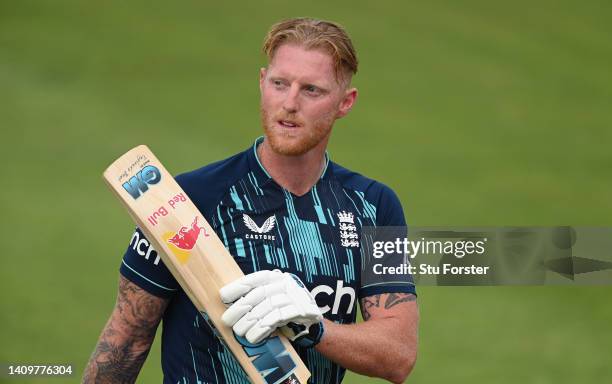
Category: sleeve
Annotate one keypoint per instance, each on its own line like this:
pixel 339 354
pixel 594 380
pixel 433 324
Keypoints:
pixel 142 265
pixel 390 211
pixel 389 216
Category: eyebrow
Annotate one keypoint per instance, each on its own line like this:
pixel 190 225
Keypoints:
pixel 323 89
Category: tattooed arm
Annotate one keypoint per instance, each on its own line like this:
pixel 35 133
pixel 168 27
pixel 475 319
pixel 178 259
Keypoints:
pixel 127 337
pixel 385 345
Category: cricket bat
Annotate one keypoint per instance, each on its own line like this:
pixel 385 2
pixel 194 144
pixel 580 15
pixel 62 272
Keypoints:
pixel 197 259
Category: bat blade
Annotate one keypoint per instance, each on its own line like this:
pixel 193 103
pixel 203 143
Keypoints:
pixel 197 259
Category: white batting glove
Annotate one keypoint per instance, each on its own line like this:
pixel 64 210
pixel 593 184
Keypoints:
pixel 266 300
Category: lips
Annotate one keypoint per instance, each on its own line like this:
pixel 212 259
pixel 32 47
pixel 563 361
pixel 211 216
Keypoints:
pixel 288 123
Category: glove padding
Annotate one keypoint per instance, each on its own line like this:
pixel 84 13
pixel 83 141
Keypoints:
pixel 267 300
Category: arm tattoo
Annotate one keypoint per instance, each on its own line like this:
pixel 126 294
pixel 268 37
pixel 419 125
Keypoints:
pixel 367 303
pixel 116 363
pixel 391 300
pixel 139 309
pixel 127 337
pixel 397 298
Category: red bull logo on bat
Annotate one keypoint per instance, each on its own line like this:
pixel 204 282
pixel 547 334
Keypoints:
pixel 183 241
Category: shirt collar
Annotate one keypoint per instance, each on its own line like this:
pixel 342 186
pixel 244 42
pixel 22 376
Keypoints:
pixel 263 175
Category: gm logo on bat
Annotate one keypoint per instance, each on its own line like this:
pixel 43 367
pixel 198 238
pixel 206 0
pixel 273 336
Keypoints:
pixel 139 183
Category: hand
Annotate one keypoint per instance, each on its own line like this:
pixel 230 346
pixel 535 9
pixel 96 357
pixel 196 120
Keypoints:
pixel 267 300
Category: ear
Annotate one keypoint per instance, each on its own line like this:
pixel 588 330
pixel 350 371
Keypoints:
pixel 350 96
pixel 262 77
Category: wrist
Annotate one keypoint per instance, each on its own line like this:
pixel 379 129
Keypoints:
pixel 303 336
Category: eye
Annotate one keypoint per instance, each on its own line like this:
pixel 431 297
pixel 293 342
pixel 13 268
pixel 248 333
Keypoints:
pixel 312 90
pixel 278 83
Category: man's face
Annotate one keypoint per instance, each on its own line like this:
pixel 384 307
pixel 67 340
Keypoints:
pixel 301 99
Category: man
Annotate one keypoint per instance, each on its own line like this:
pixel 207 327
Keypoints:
pixel 291 219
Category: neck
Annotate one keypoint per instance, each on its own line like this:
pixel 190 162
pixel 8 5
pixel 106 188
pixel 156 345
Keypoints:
pixel 297 174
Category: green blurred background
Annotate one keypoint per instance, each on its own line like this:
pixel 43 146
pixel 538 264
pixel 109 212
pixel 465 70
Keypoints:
pixel 475 112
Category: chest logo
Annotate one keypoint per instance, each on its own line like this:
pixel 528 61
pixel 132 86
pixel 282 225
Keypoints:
pixel 259 232
pixel 348 231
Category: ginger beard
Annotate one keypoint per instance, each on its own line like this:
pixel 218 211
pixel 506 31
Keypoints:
pixel 298 140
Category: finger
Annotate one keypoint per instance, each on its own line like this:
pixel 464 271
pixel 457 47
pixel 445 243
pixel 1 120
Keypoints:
pixel 244 324
pixel 286 314
pixel 241 307
pixel 258 294
pixel 257 334
pixel 253 327
pixel 267 306
pixel 264 327
pixel 238 288
pixel 250 300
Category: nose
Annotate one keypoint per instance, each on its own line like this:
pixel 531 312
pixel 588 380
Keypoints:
pixel 290 104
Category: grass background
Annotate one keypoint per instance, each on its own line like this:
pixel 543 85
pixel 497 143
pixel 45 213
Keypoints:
pixel 475 112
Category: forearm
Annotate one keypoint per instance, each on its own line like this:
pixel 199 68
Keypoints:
pixel 126 339
pixel 377 348
pixel 117 357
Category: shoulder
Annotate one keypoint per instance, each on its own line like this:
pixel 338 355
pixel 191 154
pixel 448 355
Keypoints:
pixel 374 190
pixel 356 181
pixel 388 206
pixel 207 184
pixel 224 170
